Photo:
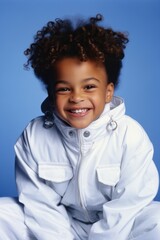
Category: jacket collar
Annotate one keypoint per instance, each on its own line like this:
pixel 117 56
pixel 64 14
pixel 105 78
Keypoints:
pixel 107 122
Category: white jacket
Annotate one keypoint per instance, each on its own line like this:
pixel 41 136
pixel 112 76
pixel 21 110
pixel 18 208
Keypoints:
pixel 103 175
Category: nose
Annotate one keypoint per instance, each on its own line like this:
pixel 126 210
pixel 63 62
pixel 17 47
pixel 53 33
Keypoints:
pixel 76 97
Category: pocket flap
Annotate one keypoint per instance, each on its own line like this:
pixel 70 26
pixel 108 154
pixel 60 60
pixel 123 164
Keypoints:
pixel 55 173
pixel 109 174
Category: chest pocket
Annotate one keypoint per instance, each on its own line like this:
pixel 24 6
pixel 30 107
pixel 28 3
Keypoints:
pixel 57 176
pixel 108 176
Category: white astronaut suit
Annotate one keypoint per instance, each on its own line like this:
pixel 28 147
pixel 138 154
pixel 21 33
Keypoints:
pixel 96 183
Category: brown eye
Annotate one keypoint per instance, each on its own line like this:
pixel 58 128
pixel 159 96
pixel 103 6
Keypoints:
pixel 62 89
pixel 91 86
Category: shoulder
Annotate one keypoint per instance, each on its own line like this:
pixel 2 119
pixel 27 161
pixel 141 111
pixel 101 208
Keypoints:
pixel 134 135
pixel 36 134
pixel 37 144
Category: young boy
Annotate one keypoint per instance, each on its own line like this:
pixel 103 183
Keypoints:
pixel 84 170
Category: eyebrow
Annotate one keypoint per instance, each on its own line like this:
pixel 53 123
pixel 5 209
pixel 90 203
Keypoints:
pixel 84 80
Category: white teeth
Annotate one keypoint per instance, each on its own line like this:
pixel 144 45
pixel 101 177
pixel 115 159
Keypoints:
pixel 79 111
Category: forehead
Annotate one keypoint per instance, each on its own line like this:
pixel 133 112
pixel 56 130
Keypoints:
pixel 69 68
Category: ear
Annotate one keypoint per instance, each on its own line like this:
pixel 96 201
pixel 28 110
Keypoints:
pixel 109 92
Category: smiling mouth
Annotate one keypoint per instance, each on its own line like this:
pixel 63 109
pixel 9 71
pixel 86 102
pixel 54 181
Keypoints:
pixel 83 110
pixel 80 112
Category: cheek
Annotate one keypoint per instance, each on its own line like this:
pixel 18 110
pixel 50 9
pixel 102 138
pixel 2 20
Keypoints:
pixel 60 102
pixel 99 102
pixel 101 97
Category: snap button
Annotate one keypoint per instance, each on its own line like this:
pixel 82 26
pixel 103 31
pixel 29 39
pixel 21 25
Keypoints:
pixel 71 133
pixel 86 134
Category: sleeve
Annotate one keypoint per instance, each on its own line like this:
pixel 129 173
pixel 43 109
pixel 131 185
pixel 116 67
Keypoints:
pixel 136 188
pixel 45 217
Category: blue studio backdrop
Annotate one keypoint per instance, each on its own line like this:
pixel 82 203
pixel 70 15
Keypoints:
pixel 21 93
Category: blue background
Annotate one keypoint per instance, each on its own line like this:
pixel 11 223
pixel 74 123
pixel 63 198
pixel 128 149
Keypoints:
pixel 21 93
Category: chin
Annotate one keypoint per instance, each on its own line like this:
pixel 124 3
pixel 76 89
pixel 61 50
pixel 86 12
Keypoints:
pixel 79 126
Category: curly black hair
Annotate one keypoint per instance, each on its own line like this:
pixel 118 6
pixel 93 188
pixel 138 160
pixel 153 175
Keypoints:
pixel 86 41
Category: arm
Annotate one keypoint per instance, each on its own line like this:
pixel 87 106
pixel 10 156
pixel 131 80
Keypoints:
pixel 136 188
pixel 45 217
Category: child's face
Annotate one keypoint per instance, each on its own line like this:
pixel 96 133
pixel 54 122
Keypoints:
pixel 81 91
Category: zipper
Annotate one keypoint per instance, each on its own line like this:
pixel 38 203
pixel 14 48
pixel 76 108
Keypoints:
pixel 80 180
